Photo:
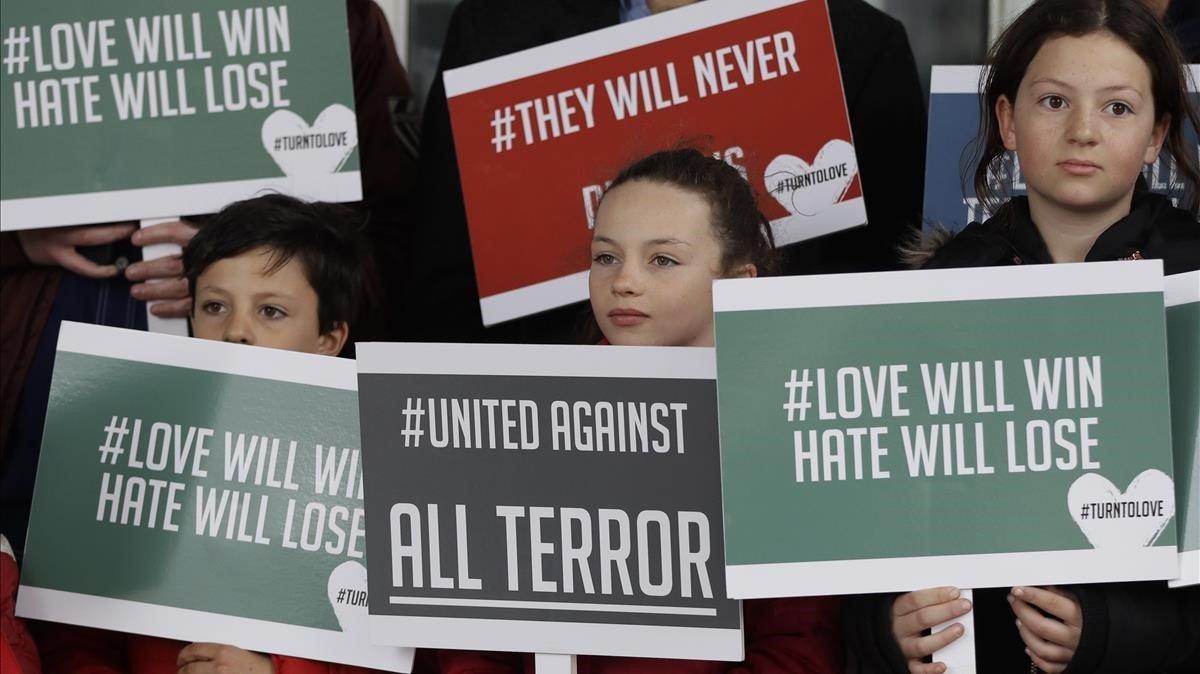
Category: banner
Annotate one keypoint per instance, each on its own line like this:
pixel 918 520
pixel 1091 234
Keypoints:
pixel 225 504
pixel 155 108
pixel 1183 353
pixel 539 134
pixel 546 499
pixel 891 431
pixel 950 200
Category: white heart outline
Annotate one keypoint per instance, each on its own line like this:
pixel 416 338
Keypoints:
pixel 787 166
pixel 1122 532
pixel 315 161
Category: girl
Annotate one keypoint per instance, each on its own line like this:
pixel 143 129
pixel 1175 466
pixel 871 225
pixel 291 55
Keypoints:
pixel 1086 92
pixel 668 226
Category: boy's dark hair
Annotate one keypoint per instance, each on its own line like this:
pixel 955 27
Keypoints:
pixel 744 233
pixel 324 237
pixel 1132 23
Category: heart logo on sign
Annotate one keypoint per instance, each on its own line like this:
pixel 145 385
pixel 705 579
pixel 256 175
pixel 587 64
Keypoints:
pixel 808 189
pixel 1112 519
pixel 303 150
pixel 347 592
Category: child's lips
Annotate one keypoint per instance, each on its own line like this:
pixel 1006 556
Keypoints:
pixel 1079 167
pixel 627 318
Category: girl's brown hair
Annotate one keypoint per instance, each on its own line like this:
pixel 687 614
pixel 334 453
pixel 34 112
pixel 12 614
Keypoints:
pixel 744 233
pixel 1128 20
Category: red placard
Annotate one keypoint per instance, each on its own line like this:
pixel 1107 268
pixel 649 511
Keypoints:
pixel 540 132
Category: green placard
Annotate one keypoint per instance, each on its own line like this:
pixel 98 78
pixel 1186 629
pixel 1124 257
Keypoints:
pixel 151 108
pixel 202 491
pixel 1183 354
pixel 883 432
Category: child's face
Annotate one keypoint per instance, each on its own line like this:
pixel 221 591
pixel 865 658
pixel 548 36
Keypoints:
pixel 236 300
pixel 1083 123
pixel 654 257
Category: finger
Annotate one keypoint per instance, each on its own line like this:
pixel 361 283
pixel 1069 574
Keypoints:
pixel 915 667
pixel 197 667
pixel 172 308
pixel 935 642
pixel 1044 665
pixel 1057 604
pixel 96 235
pixel 1044 649
pixel 1049 629
pixel 197 652
pixel 68 258
pixel 163 267
pixel 173 289
pixel 916 600
pixel 930 616
pixel 174 231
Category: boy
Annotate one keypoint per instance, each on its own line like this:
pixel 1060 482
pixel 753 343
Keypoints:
pixel 272 271
pixel 275 271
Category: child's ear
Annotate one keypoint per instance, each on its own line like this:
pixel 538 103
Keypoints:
pixel 331 343
pixel 747 270
pixel 1004 120
pixel 1157 138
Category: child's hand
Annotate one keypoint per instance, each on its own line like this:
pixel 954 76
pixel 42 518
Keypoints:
pixel 1051 639
pixel 915 612
pixel 221 659
pixel 160 281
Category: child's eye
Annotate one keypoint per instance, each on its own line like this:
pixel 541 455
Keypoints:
pixel 604 258
pixel 662 261
pixel 1119 109
pixel 212 307
pixel 272 313
pixel 1053 102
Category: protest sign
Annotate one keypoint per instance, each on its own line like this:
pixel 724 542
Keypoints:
pixel 539 134
pixel 1183 353
pixel 892 431
pixel 155 108
pixel 226 504
pixel 548 499
pixel 950 199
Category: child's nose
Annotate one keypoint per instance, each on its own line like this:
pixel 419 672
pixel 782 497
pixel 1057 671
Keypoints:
pixel 627 281
pixel 238 330
pixel 1082 126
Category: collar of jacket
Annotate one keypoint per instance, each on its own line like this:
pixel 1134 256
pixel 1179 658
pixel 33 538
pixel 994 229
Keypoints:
pixel 1124 240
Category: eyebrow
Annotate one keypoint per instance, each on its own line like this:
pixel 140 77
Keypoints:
pixel 1064 85
pixel 668 241
pixel 258 297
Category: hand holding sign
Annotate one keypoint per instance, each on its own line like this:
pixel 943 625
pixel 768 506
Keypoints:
pixel 1050 621
pixel 915 612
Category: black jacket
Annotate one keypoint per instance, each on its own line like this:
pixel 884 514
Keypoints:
pixel 1154 229
pixel 887 117
pixel 1128 628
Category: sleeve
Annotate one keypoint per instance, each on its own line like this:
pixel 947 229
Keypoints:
pixel 792 635
pixel 1137 627
pixel 12 256
pixel 284 664
pixel 478 662
pixel 19 651
pixel 870 646
pixel 71 649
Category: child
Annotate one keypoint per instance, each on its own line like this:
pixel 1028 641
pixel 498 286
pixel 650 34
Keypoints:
pixel 271 271
pixel 668 226
pixel 1086 92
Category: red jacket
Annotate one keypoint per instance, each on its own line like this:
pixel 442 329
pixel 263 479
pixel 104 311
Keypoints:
pixel 792 635
pixel 81 650
pixel 18 654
